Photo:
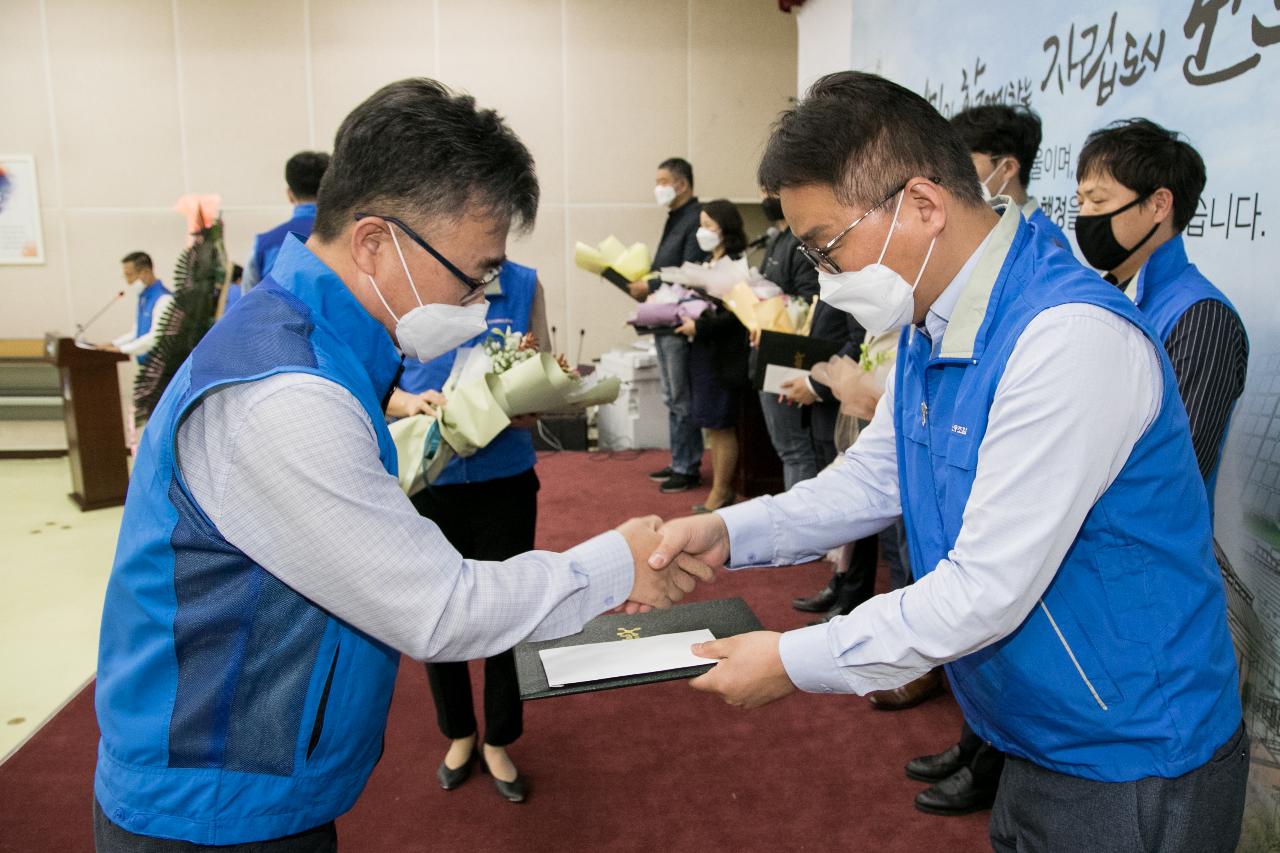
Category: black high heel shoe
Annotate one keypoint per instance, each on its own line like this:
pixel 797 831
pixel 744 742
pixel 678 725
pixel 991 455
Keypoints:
pixel 514 791
pixel 451 778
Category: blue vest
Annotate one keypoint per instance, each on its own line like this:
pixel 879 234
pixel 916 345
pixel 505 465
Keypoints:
pixel 1166 286
pixel 267 244
pixel 512 451
pixel 231 708
pixel 1125 667
pixel 147 300
pixel 1040 219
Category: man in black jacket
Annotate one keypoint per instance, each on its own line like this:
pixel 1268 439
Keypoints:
pixel 674 189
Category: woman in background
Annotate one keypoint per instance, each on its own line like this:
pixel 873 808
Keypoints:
pixel 496 483
pixel 719 356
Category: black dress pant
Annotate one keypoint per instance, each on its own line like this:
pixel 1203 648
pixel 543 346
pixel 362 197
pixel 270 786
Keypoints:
pixel 111 838
pixel 491 520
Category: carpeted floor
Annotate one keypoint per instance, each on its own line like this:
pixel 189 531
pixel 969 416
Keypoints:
pixel 654 768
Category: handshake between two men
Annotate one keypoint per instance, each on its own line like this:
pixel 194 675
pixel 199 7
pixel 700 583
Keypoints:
pixel 670 558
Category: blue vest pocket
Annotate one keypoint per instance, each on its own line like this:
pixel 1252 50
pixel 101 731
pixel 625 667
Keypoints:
pixel 1127 583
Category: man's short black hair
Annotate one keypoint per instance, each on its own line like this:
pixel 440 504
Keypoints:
pixel 1144 157
pixel 303 173
pixel 862 135
pixel 140 260
pixel 419 151
pixel 726 214
pixel 1000 130
pixel 679 168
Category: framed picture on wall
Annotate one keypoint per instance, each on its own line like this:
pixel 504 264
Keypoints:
pixel 21 235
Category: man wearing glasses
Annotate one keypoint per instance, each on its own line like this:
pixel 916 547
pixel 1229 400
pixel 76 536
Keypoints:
pixel 1034 441
pixel 269 571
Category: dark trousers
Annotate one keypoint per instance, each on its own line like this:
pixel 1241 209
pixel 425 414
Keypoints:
pixel 1040 811
pixel 492 520
pixel 109 838
pixel 985 761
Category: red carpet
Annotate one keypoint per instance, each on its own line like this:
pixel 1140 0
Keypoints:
pixel 654 768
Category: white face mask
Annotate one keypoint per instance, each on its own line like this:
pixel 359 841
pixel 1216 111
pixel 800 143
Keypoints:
pixel 430 331
pixel 707 239
pixel 987 194
pixel 877 297
pixel 664 194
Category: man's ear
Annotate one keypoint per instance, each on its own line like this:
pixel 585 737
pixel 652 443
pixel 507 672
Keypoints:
pixel 927 198
pixel 1162 199
pixel 368 240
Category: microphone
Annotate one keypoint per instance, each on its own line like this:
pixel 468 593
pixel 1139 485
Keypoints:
pixel 763 238
pixel 582 333
pixel 81 327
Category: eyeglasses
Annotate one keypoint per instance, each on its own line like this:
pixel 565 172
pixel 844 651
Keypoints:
pixel 821 258
pixel 472 284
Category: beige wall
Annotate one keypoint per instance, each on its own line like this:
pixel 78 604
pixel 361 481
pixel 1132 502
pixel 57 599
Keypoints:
pixel 126 105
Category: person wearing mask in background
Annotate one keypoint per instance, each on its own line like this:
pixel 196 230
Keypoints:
pixel 673 189
pixel 497 483
pixel 1138 186
pixel 1003 141
pixel 790 434
pixel 153 300
pixel 719 354
pixel 270 571
pixel 1034 440
pixel 302 175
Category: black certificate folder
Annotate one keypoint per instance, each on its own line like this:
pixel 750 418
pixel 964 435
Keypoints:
pixel 798 351
pixel 723 617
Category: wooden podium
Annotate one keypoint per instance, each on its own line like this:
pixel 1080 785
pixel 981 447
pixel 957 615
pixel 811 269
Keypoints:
pixel 94 420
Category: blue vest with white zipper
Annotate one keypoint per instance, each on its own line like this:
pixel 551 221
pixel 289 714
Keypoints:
pixel 512 452
pixel 147 300
pixel 1124 669
pixel 1166 286
pixel 231 708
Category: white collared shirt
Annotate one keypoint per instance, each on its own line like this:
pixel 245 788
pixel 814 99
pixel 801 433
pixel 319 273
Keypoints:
pixel 1079 389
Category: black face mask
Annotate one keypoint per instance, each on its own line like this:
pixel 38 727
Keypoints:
pixel 1098 241
pixel 772 208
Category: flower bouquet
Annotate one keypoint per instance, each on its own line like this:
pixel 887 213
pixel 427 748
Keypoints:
pixel 503 378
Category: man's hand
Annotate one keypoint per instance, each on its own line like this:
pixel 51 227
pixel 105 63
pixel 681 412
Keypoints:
pixel 857 390
pixel 703 538
pixel 107 347
pixel 750 671
pixel 639 290
pixel 688 328
pixel 403 404
pixel 797 391
pixel 662 586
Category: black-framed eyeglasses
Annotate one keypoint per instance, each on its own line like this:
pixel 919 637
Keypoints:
pixel 472 284
pixel 821 258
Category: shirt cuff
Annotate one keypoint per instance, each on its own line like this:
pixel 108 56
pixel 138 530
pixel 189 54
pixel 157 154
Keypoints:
pixel 806 655
pixel 606 561
pixel 750 527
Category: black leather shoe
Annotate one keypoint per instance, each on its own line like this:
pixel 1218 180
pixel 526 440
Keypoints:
pixel 958 794
pixel 935 768
pixel 820 602
pixel 514 791
pixel 659 476
pixel 452 778
pixel 680 483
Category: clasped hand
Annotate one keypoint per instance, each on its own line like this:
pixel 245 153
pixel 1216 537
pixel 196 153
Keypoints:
pixel 749 670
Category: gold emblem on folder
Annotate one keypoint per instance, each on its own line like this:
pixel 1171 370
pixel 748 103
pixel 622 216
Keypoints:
pixel 628 633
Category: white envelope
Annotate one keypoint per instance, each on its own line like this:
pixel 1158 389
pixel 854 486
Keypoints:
pixel 776 374
pixel 620 658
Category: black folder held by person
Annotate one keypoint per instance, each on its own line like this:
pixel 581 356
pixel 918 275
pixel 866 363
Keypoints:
pixel 723 617
pixel 790 353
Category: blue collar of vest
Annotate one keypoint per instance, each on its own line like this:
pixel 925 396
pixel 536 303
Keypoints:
pixel 306 208
pixel 1165 264
pixel 304 275
pixel 154 288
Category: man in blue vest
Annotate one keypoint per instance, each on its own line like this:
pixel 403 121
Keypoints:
pixel 269 570
pixel 1034 441
pixel 1139 185
pixel 153 301
pixel 1003 141
pixel 302 175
